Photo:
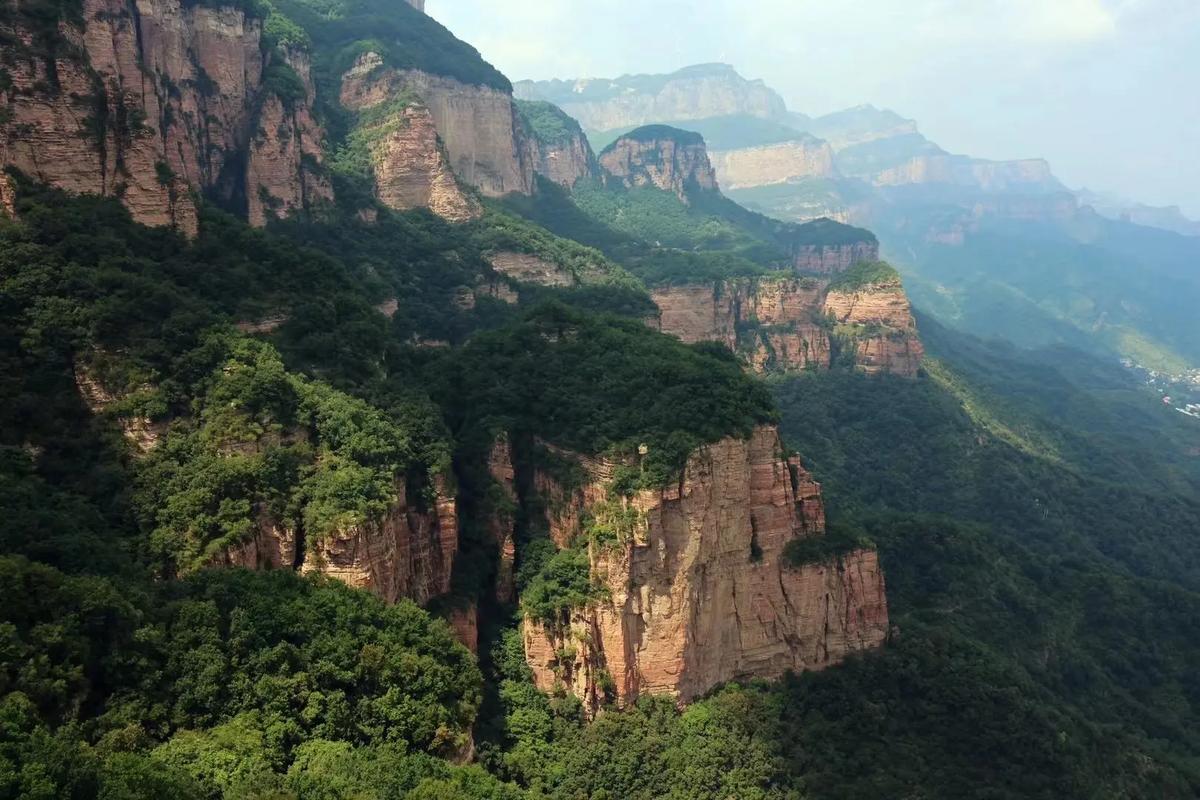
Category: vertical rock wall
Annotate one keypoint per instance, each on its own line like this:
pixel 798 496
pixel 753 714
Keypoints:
pixel 700 593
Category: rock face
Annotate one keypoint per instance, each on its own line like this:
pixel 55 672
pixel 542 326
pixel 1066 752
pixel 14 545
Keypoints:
pixel 831 259
pixel 987 176
pixel 411 170
pixel 775 324
pixel 564 163
pixel 557 147
pixel 406 553
pixel 666 158
pixel 529 269
pixel 285 151
pixel 883 329
pixel 773 163
pixel 795 323
pixel 700 593
pixel 152 99
pixel 698 92
pixel 476 124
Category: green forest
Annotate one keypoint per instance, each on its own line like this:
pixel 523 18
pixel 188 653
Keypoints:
pixel 164 400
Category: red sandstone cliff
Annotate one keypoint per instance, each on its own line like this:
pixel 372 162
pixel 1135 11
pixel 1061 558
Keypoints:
pixel 477 125
pixel 668 159
pixel 794 323
pixel 153 99
pixel 878 319
pixel 700 593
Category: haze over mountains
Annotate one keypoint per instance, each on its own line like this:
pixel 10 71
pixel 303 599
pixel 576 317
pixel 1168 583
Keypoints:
pixel 367 433
pixel 973 236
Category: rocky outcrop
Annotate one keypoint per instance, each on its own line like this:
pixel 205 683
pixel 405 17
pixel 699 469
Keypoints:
pixel 152 100
pixel 476 124
pixel 701 592
pixel 698 92
pixel 528 268
pixel 773 163
pixel 878 323
pixel 142 433
pixel 566 162
pixel 557 147
pixel 271 546
pixel 666 158
pixel 774 324
pixel 411 170
pixel 406 553
pixel 831 259
pixel 796 323
pixel 284 172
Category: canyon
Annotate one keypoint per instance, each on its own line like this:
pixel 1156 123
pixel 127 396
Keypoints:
pixel 166 105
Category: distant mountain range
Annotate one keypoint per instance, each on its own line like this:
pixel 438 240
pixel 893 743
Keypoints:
pixel 997 248
pixel 876 146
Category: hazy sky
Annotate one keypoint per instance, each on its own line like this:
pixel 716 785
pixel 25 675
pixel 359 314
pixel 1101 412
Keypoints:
pixel 1107 90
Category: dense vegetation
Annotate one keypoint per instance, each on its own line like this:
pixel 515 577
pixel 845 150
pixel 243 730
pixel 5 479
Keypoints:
pixel 547 122
pixel 129 670
pixel 1036 517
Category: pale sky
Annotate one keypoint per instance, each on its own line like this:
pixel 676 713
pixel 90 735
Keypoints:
pixel 1107 90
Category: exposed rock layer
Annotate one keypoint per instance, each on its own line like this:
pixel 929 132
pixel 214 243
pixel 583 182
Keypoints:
pixel 476 124
pixel 790 324
pixel 411 170
pixel 773 163
pixel 153 99
pixel 671 164
pixel 700 594
pixel 700 92
pixel 883 314
pixel 407 553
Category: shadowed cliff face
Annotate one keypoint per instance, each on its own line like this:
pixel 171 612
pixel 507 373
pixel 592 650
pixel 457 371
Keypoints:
pixel 151 103
pixel 700 592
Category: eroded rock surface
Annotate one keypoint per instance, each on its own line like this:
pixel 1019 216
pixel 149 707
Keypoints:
pixel 700 594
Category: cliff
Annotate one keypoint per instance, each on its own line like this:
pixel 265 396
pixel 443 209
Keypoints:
pixel 700 591
pixel 874 320
pixel 406 553
pixel 769 164
pixel 774 324
pixel 986 176
pixel 152 101
pixel 557 147
pixel 795 323
pixel 698 92
pixel 666 158
pixel 284 173
pixel 411 169
pixel 476 124
pixel 831 259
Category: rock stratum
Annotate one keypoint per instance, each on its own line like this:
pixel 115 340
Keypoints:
pixel 701 591
pixel 662 157
pixel 796 323
pixel 151 101
pixel 698 92
pixel 156 101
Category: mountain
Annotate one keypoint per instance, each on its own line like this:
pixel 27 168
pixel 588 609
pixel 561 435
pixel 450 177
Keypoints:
pixel 968 234
pixel 365 433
